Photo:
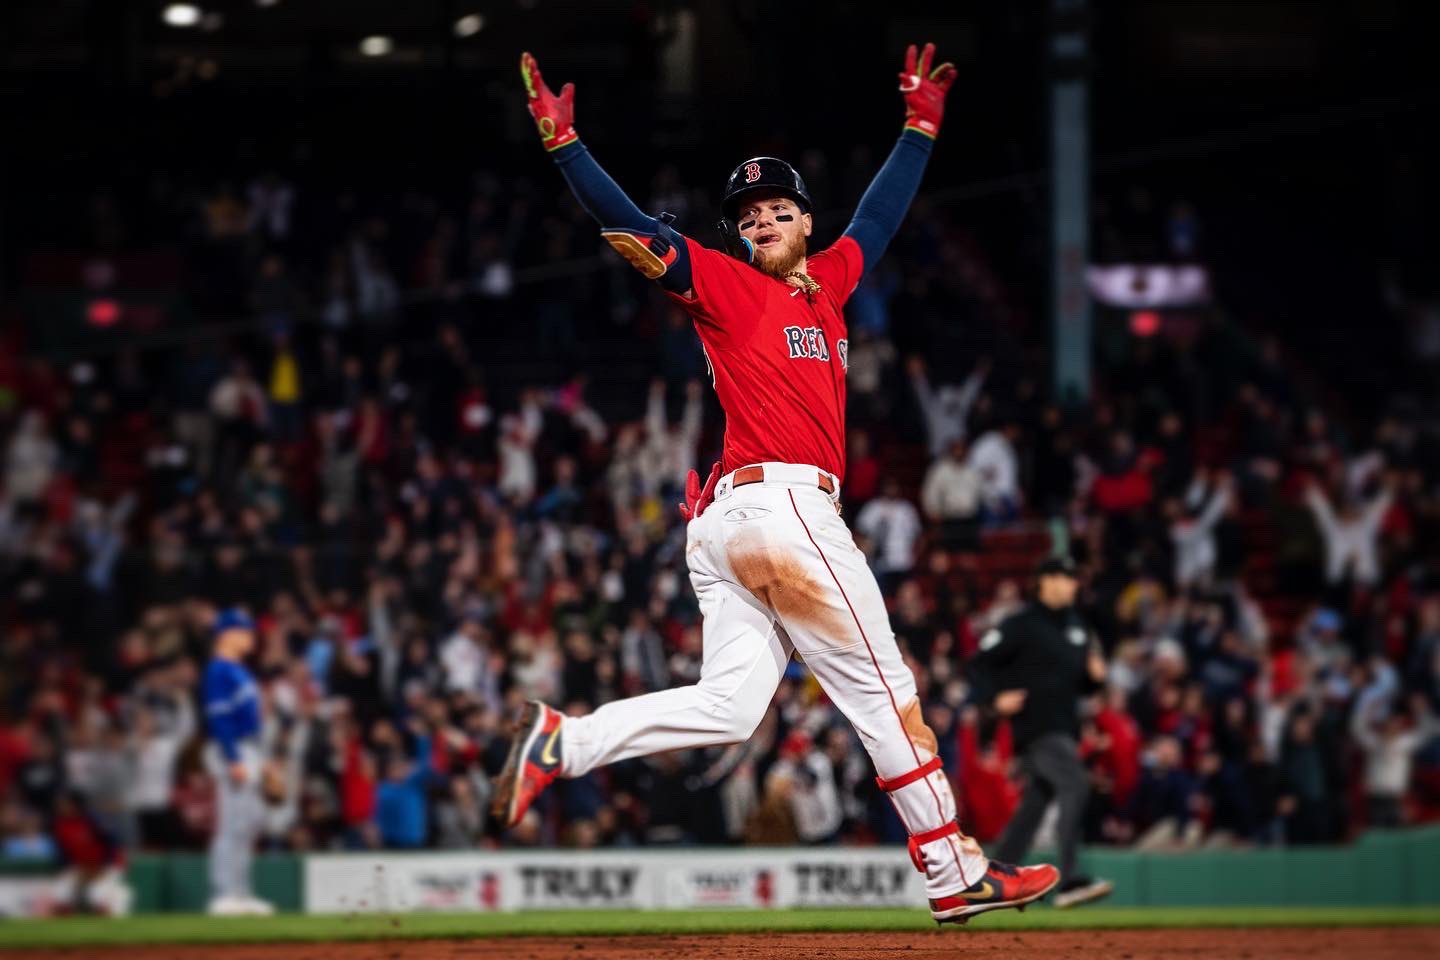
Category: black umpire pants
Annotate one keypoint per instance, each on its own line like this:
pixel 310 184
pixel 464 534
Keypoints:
pixel 1053 771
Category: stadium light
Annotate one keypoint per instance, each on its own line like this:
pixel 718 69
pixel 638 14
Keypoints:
pixel 469 25
pixel 266 3
pixel 181 15
pixel 376 46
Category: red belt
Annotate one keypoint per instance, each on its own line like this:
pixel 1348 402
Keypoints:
pixel 756 474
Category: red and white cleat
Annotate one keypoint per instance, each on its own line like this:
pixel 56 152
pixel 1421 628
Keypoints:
pixel 1003 886
pixel 532 764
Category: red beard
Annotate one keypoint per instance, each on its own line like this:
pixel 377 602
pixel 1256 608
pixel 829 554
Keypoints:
pixel 778 262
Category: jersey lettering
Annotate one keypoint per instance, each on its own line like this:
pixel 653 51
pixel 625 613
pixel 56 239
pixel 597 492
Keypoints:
pixel 808 343
pixel 842 347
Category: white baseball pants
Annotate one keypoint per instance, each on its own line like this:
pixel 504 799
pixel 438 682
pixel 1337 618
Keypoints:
pixel 237 822
pixel 776 570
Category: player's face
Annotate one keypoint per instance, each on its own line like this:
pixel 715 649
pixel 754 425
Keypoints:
pixel 778 228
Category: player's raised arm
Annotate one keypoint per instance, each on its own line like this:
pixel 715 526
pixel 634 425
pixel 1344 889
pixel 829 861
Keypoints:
pixel 648 243
pixel 889 194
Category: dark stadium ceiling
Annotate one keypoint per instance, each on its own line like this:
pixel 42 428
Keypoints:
pixel 59 35
pixel 1193 44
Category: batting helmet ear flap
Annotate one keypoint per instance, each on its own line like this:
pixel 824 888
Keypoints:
pixel 737 246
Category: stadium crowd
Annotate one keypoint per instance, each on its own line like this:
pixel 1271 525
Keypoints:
pixel 427 536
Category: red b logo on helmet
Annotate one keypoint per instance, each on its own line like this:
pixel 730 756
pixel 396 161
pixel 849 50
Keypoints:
pixel 752 172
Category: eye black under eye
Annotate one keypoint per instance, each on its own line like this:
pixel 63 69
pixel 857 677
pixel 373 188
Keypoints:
pixel 747 224
pixel 784 217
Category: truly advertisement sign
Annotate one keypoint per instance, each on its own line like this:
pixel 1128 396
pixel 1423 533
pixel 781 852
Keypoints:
pixel 822 882
pixel 648 879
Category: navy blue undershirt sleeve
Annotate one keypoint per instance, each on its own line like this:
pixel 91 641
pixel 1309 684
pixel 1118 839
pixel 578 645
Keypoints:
pixel 603 199
pixel 888 197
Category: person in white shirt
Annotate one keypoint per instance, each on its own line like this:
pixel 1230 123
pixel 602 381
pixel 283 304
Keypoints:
pixel 1390 744
pixel 951 490
pixel 946 407
pixel 466 660
pixel 31 459
pixel 892 524
pixel 627 478
pixel 155 743
pixel 670 450
pixel 1352 537
pixel 1194 534
pixel 239 397
pixel 994 460
pixel 518 433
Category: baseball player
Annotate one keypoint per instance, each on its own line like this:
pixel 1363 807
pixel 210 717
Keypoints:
pixel 773 566
pixel 232 721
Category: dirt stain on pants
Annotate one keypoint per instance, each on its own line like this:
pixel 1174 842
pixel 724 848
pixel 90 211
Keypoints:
pixel 781 582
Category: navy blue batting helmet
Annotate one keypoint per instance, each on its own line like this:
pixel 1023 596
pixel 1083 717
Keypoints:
pixel 763 175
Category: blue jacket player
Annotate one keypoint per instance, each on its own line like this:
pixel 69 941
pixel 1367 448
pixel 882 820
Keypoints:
pixel 232 723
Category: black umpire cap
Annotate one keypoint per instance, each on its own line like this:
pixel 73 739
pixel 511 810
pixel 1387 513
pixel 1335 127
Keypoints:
pixel 766 174
pixel 1056 566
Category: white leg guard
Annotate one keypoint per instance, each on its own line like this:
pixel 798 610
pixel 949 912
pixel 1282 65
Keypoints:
pixel 950 860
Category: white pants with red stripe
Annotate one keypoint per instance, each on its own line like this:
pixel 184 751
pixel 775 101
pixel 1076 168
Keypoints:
pixel 776 571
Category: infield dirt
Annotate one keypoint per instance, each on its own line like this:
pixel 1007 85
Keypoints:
pixel 1385 943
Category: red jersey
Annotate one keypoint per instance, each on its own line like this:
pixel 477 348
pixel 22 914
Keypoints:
pixel 777 357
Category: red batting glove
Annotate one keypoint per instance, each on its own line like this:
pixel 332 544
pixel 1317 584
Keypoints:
pixel 925 91
pixel 696 499
pixel 554 116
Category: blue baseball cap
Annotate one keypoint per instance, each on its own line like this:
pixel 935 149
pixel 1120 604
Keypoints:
pixel 232 618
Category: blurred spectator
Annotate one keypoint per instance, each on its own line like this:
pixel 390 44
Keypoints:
pixel 270 202
pixel 25 840
pixel 862 471
pixel 460 816
pixel 285 390
pixel 988 797
pixel 30 459
pixel 670 449
pixel 805 778
pixel 995 462
pixel 951 491
pixel 1192 527
pixel 870 358
pixel 400 808
pixel 1165 802
pixel 241 414
pixel 1351 536
pixel 947 408
pixel 162 727
pixel 1390 742
pixel 892 524
pixel 1305 799
pixel 518 433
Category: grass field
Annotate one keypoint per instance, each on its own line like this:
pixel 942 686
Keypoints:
pixel 84 931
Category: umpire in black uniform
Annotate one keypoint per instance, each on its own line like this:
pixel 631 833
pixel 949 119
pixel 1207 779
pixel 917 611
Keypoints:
pixel 1034 668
